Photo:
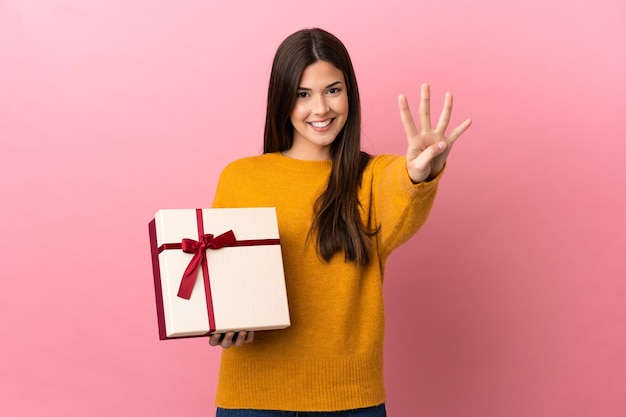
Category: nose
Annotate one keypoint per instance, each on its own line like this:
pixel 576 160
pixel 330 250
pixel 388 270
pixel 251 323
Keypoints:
pixel 320 106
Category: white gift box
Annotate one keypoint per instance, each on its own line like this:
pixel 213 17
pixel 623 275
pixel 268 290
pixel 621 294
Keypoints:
pixel 237 287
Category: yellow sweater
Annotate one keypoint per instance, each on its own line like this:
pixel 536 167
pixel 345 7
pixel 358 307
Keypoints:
pixel 331 358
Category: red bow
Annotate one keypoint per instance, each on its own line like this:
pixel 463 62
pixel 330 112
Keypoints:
pixel 199 250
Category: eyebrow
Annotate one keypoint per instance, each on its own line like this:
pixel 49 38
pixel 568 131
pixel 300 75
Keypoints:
pixel 328 86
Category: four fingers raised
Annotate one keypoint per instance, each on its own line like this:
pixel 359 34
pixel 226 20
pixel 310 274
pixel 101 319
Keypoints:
pixel 426 135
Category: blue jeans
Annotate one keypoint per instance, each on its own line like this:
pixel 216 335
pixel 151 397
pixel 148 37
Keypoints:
pixel 377 411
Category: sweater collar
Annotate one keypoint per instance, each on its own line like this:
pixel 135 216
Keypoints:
pixel 300 164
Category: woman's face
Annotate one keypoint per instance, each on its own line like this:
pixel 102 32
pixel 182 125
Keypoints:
pixel 320 112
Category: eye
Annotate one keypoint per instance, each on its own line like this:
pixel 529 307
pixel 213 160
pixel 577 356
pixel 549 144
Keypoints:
pixel 334 90
pixel 302 94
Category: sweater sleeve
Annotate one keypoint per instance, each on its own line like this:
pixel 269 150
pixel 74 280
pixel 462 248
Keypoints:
pixel 399 207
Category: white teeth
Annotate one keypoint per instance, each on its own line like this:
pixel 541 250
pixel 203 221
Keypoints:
pixel 321 124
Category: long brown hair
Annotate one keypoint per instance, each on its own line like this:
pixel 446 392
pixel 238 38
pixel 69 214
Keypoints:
pixel 337 223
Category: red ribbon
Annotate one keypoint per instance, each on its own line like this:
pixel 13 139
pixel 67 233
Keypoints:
pixel 199 257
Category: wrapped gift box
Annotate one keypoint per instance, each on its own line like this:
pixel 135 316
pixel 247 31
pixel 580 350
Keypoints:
pixel 232 266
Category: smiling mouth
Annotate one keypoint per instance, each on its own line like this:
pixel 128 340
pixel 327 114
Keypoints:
pixel 321 124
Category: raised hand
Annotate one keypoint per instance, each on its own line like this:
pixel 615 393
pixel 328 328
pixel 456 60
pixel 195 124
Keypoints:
pixel 428 148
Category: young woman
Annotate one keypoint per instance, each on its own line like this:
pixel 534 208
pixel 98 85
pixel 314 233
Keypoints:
pixel 341 212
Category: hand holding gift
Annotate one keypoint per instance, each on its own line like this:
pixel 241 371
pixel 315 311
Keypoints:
pixel 226 340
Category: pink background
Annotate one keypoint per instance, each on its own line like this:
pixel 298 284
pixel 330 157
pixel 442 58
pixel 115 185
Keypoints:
pixel 511 301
